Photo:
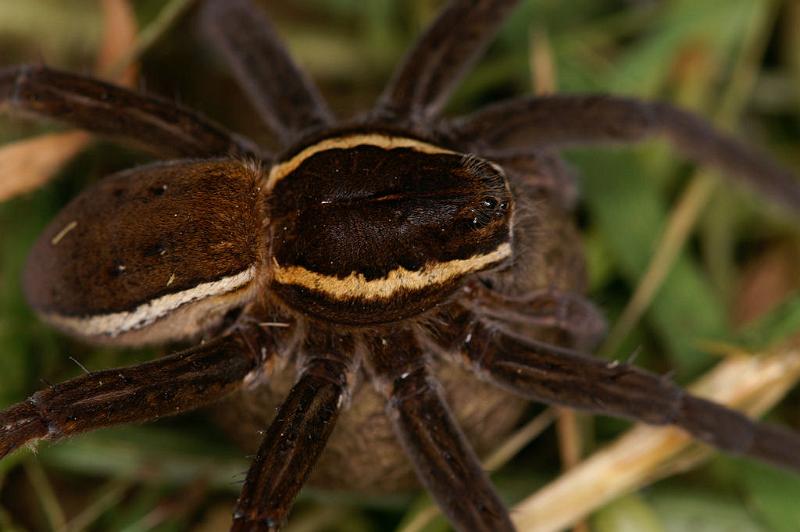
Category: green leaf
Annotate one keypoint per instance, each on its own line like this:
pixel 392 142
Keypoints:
pixel 698 510
pixel 779 324
pixel 627 514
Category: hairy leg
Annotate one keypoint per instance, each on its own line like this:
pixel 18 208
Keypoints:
pixel 572 314
pixel 164 387
pixel 298 434
pixel 566 120
pixel 557 376
pixel 442 458
pixel 537 173
pixel 156 125
pixel 435 65
pixel 283 95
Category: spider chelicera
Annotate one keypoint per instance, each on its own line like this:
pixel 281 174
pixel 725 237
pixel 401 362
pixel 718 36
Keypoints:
pixel 379 265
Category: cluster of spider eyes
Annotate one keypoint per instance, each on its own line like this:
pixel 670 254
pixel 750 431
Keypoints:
pixel 495 207
pixel 491 203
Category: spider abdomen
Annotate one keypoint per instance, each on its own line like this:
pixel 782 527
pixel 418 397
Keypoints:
pixel 371 228
pixel 153 254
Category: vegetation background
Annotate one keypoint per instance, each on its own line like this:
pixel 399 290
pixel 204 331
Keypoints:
pixel 715 268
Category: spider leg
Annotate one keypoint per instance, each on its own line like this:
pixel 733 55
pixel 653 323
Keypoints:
pixel 552 375
pixel 283 95
pixel 297 436
pixel 442 458
pixel 157 125
pixel 433 67
pixel 536 172
pixel 163 387
pixel 563 120
pixel 568 312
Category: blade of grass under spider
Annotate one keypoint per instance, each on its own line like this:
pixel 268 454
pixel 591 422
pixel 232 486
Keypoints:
pixel 172 512
pixel 7 523
pixel 621 190
pixel 688 508
pixel 680 224
pixel 157 456
pixel 108 495
pixel 319 518
pixel 779 324
pixel 146 453
pixel 792 43
pixel 628 513
pixel 684 217
pixel 51 508
pixel 629 462
pixel 773 494
pixel 151 33
pixel 20 333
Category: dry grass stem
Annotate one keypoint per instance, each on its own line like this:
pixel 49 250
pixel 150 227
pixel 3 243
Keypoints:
pixel 542 63
pixel 27 164
pixel 519 439
pixel 679 227
pixel 165 19
pixel 697 194
pixel 119 37
pixel 48 500
pixel 109 495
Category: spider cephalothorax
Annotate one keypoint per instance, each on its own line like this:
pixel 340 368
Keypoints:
pixel 364 276
pixel 376 228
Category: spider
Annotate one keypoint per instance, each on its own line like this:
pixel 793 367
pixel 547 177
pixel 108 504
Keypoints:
pixel 373 267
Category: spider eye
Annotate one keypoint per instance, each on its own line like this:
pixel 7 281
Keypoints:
pixel 371 229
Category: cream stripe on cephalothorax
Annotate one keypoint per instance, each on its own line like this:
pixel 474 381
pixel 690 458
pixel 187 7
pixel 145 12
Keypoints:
pixel 356 286
pixel 116 323
pixel 387 142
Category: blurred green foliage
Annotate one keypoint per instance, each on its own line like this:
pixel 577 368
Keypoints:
pixel 686 51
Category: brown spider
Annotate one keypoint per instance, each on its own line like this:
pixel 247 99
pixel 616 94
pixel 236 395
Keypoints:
pixel 387 257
